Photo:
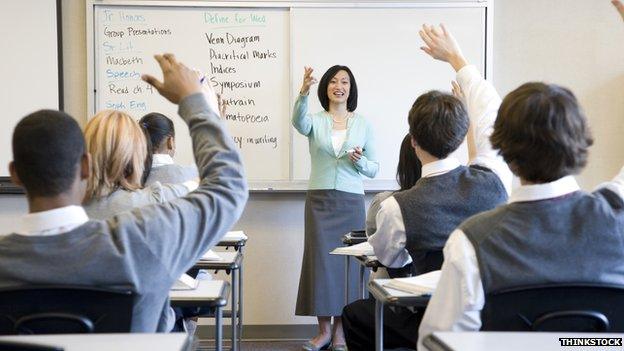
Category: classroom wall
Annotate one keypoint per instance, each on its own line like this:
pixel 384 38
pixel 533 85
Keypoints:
pixel 576 42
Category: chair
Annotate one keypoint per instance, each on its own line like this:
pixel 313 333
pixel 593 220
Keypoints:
pixel 555 308
pixel 64 309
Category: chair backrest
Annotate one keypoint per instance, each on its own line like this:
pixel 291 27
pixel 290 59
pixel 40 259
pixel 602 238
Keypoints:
pixel 64 309
pixel 427 261
pixel 555 307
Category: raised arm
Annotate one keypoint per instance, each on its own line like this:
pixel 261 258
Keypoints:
pixel 177 233
pixel 300 119
pixel 482 100
pixel 619 6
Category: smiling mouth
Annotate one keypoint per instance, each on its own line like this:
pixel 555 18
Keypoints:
pixel 338 93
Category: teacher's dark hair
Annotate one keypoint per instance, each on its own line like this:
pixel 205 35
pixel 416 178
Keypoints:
pixel 542 133
pixel 438 123
pixel 409 167
pixel 47 148
pixel 158 128
pixel 327 77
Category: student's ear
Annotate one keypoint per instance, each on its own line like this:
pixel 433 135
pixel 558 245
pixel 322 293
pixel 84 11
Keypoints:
pixel 170 143
pixel 85 166
pixel 14 177
pixel 413 141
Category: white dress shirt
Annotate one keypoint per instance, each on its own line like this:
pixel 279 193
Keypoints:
pixel 57 221
pixel 482 102
pixel 161 160
pixel 459 298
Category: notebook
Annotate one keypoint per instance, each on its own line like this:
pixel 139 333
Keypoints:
pixel 211 256
pixel 185 282
pixel 361 249
pixel 234 236
pixel 424 284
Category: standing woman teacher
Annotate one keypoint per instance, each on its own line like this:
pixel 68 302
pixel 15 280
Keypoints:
pixel 341 151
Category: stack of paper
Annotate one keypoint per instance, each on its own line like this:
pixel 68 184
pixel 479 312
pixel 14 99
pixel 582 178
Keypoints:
pixel 234 236
pixel 424 284
pixel 361 249
pixel 185 282
pixel 211 256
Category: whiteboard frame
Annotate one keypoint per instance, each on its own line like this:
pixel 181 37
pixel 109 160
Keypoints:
pixel 370 185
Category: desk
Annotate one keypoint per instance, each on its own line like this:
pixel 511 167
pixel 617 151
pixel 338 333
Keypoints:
pixel 387 296
pixel 107 342
pixel 209 293
pixel 350 240
pixel 509 341
pixel 231 263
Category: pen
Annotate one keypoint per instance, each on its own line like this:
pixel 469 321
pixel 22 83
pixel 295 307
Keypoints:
pixel 353 150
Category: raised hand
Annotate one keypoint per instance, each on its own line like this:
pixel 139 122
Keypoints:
pixel 441 45
pixel 179 81
pixel 308 81
pixel 222 105
pixel 457 91
pixel 619 6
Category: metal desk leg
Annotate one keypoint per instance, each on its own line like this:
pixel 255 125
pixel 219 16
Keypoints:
pixel 378 325
pixel 234 309
pixel 240 299
pixel 218 329
pixel 362 283
pixel 346 297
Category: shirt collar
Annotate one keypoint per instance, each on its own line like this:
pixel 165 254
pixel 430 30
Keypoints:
pixel 56 221
pixel 440 167
pixel 536 192
pixel 161 160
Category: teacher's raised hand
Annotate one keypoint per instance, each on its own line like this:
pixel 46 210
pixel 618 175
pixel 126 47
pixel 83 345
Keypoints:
pixel 308 81
pixel 619 6
pixel 441 45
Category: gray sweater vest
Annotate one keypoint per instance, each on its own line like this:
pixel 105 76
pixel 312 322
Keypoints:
pixel 435 206
pixel 171 174
pixel 577 238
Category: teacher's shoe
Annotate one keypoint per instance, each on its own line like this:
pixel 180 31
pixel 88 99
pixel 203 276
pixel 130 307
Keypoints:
pixel 338 347
pixel 309 346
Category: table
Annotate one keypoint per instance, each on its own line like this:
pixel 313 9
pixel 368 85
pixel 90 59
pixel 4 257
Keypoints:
pixel 209 293
pixel 231 263
pixel 107 342
pixel 387 296
pixel 349 240
pixel 510 341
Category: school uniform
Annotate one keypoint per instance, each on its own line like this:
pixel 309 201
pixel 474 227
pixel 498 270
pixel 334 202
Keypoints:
pixel 548 233
pixel 165 171
pixel 414 223
pixel 144 250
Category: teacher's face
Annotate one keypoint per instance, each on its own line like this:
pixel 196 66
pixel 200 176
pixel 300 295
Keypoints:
pixel 338 87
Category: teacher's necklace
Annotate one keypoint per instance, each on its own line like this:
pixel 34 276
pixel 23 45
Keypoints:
pixel 346 117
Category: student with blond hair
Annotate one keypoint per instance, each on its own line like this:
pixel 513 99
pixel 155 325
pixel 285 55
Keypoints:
pixel 119 149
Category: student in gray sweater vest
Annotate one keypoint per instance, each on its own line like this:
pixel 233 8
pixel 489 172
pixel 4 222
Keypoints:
pixel 161 133
pixel 145 250
pixel 551 231
pixel 413 225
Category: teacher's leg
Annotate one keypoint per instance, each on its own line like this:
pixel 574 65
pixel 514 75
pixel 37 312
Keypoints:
pixel 324 336
pixel 338 338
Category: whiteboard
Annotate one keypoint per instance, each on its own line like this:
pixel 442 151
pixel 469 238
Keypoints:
pixel 254 52
pixel 29 66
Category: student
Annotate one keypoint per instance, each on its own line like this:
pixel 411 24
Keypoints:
pixel 414 225
pixel 407 174
pixel 548 223
pixel 161 133
pixel 144 250
pixel 619 6
pixel 119 149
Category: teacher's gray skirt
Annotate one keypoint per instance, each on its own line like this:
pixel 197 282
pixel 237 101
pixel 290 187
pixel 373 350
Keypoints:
pixel 329 214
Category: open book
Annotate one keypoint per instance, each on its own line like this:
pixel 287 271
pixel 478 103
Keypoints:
pixel 424 284
pixel 361 249
pixel 185 282
pixel 211 256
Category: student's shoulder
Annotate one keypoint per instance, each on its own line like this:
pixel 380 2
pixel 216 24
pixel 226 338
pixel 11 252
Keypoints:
pixel 478 227
pixel 608 198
